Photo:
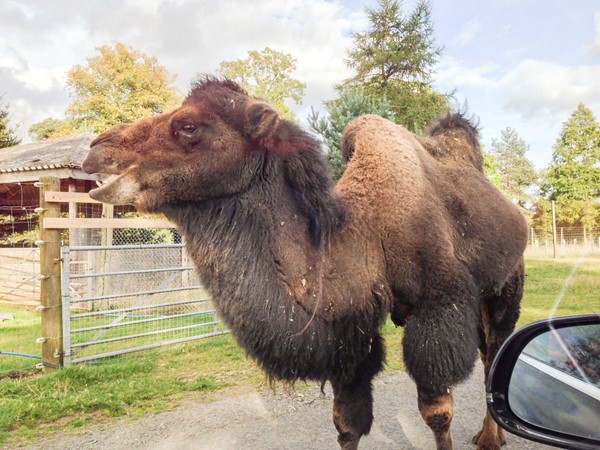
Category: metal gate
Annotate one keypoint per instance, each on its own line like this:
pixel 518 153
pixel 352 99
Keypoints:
pixel 121 299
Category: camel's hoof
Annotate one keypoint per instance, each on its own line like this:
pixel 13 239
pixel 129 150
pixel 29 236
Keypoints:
pixel 486 442
pixel 348 441
pixel 353 445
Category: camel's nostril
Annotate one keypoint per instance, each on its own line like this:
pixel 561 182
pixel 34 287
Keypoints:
pixel 110 134
pixel 102 138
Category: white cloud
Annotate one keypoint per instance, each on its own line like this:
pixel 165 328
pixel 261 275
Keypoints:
pixel 454 72
pixel 533 96
pixel 468 32
pixel 531 88
pixel 41 41
pixel 544 88
pixel 594 48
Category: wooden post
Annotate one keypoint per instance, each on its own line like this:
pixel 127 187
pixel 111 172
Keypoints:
pixel 532 237
pixel 554 228
pixel 108 212
pixel 105 255
pixel 73 215
pixel 50 283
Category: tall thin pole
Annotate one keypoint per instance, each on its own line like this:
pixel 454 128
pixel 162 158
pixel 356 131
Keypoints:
pixel 554 228
pixel 50 282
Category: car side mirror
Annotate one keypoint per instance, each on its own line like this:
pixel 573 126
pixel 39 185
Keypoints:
pixel 544 383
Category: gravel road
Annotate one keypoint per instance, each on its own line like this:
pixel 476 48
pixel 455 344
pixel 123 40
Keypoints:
pixel 288 420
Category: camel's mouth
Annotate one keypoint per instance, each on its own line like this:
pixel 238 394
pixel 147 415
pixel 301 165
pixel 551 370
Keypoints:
pixel 117 189
pixel 104 183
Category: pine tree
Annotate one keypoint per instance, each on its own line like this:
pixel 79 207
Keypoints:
pixel 8 138
pixel 351 104
pixel 394 60
pixel 517 172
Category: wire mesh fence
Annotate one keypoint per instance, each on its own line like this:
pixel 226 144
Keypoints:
pixel 131 289
pixel 19 271
pixel 120 299
pixel 569 241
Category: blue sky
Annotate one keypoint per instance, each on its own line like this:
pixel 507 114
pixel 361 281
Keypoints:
pixel 526 64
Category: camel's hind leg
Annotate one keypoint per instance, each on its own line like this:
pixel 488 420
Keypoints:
pixel 353 399
pixel 437 411
pixel 499 314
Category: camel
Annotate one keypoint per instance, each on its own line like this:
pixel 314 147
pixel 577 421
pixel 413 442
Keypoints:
pixel 304 272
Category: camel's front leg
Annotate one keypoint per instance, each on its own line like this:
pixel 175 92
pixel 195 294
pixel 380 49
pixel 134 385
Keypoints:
pixel 352 415
pixel 437 411
pixel 353 398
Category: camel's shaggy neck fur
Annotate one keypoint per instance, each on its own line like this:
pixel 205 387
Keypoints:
pixel 248 238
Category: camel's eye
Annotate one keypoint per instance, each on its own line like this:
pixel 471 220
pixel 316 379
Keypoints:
pixel 189 128
pixel 184 128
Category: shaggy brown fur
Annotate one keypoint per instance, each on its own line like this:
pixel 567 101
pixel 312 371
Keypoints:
pixel 304 273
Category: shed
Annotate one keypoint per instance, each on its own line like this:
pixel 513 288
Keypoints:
pixel 22 165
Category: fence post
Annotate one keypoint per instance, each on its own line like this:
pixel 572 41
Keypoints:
pixel 553 229
pixel 50 284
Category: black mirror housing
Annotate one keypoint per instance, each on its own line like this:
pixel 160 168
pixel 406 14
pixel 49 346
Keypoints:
pixel 510 392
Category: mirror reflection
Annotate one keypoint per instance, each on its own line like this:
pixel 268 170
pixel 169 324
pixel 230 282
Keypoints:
pixel 556 381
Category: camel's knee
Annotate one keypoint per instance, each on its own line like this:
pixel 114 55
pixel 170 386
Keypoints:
pixel 437 411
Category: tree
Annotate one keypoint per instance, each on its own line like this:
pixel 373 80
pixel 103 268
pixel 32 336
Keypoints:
pixel 8 138
pixel 50 128
pixel 268 75
pixel 491 169
pixel 351 104
pixel 394 60
pixel 517 172
pixel 573 178
pixel 120 85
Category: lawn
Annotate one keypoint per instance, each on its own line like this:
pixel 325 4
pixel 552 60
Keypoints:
pixel 32 404
pixel 561 287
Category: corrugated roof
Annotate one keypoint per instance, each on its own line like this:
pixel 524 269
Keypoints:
pixel 66 152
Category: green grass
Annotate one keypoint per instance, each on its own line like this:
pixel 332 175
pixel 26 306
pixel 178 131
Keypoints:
pixel 33 404
pixel 560 287
pixel 129 386
pixel 18 336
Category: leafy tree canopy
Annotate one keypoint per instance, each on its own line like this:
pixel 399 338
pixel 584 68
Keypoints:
pixel 267 74
pixel 491 169
pixel 120 85
pixel 50 128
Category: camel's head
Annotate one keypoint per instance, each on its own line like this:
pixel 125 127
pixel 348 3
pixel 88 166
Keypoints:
pixel 212 146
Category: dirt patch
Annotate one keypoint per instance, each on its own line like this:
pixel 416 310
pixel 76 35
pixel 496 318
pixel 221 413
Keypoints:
pixel 20 374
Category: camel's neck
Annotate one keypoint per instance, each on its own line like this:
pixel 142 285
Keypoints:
pixel 279 294
pixel 244 248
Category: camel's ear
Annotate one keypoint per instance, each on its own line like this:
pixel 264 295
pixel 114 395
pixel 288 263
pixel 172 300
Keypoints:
pixel 268 131
pixel 261 122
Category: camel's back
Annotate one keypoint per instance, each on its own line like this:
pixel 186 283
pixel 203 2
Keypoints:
pixel 385 166
pixel 429 192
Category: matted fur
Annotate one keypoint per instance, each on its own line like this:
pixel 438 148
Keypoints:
pixel 304 272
